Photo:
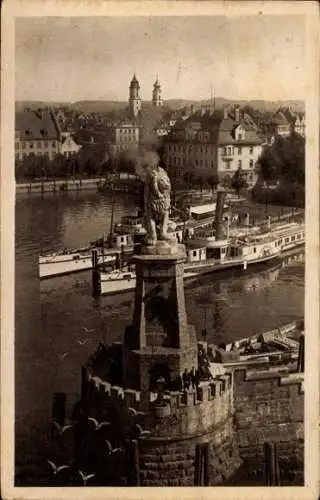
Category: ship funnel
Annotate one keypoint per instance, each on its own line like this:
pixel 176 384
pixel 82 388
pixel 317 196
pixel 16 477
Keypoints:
pixel 221 196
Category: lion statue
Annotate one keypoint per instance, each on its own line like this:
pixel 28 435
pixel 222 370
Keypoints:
pixel 157 190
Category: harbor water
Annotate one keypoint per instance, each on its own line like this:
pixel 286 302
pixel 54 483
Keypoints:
pixel 59 323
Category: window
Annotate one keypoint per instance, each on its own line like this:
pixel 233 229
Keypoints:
pixel 239 137
pixel 194 253
pixel 293 238
pixel 31 145
pixel 223 250
pixel 212 164
pixel 286 240
pixel 240 150
pixel 254 249
pixel 225 151
pixel 228 166
pixel 251 150
pixel 251 164
pixel 239 163
pixel 39 144
pixel 23 145
pixel 53 144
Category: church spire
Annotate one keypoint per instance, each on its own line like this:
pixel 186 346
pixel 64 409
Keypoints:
pixel 134 96
pixel 156 93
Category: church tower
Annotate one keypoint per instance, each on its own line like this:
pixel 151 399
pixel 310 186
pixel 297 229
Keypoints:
pixel 156 94
pixel 134 96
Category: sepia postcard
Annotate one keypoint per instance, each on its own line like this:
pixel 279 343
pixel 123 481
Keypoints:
pixel 160 249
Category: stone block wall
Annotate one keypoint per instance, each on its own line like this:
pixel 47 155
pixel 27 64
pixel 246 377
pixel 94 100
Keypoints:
pixel 269 407
pixel 172 462
pixel 167 456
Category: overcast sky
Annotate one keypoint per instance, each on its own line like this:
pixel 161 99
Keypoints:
pixel 70 59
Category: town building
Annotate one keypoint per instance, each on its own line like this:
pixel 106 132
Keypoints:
pixel 122 136
pixel 221 141
pixel 69 146
pixel 282 125
pixel 156 94
pixel 297 120
pixel 284 122
pixel 36 132
pixel 134 97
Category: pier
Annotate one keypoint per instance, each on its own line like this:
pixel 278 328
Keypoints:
pixel 174 430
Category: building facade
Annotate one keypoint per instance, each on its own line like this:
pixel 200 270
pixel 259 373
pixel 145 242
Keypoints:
pixel 36 132
pixel 134 97
pixel 300 125
pixel 123 136
pixel 68 146
pixel 221 141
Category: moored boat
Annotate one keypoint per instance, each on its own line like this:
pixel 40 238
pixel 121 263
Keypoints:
pixel 120 281
pixel 65 263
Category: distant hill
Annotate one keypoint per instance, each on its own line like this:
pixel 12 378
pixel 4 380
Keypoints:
pixel 221 101
pixel 99 106
pixel 175 104
pixel 21 105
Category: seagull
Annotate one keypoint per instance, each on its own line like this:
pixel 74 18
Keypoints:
pixel 85 477
pixel 83 342
pixel 56 469
pixel 109 446
pixel 98 425
pixel 112 450
pixel 117 450
pixel 62 356
pixel 134 413
pixel 142 432
pixel 60 428
pixel 87 330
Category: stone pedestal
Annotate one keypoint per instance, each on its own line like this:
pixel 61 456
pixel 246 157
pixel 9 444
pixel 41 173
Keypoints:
pixel 160 341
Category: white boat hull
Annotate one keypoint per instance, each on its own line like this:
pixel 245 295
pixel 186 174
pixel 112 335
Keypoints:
pixel 113 285
pixel 50 269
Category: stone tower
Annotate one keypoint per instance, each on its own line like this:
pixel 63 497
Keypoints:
pixel 156 94
pixel 137 385
pixel 160 342
pixel 134 97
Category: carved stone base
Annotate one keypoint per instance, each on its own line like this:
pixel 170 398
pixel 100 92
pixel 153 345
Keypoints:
pixel 164 248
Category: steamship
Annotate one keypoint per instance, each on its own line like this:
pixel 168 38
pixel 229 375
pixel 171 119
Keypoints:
pixel 66 261
pixel 209 250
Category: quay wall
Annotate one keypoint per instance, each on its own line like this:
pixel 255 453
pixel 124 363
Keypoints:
pixel 122 182
pixel 172 462
pixel 269 407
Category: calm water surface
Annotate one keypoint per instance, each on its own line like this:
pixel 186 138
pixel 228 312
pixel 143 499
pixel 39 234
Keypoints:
pixel 58 323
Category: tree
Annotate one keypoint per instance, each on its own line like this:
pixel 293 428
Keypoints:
pixel 59 166
pixel 238 182
pixel 213 181
pixel 284 160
